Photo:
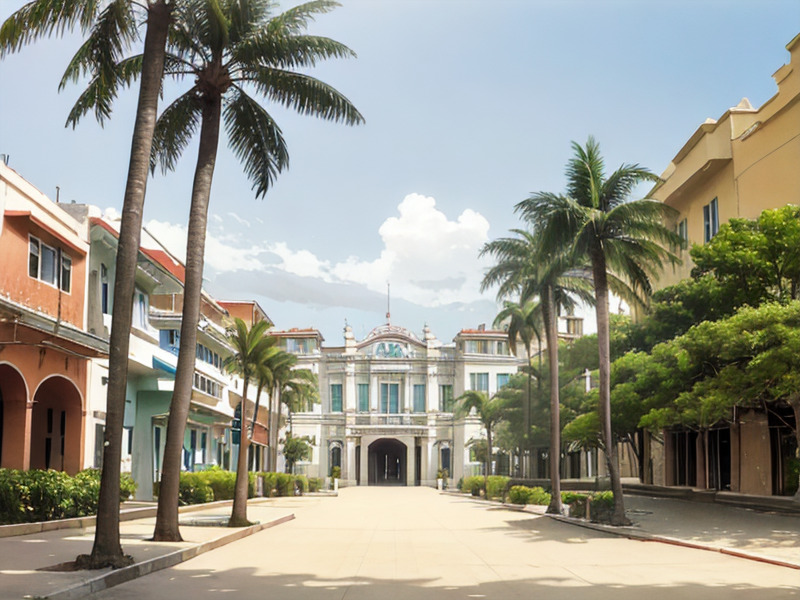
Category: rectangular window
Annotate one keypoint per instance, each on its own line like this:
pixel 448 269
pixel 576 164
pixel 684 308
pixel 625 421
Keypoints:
pixel 682 230
pixel 48 271
pixel 479 382
pixel 104 288
pixel 419 398
pixel 363 397
pixel 390 398
pixel 710 220
pixel 446 398
pixel 49 264
pixel 502 348
pixel 140 309
pixel 477 347
pixel 336 397
pixel 502 379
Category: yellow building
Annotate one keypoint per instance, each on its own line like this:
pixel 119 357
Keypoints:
pixel 746 161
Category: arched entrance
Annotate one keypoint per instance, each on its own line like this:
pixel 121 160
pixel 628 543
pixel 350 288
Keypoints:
pixel 387 462
pixel 13 405
pixel 56 426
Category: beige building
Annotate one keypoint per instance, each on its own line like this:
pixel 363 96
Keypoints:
pixel 746 161
pixel 743 163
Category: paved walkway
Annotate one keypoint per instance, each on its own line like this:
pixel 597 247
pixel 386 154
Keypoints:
pixel 22 557
pixel 413 543
pixel 374 536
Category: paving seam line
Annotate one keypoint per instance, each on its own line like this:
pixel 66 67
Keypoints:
pixel 118 576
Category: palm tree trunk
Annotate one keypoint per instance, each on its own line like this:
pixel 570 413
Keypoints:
pixel 551 333
pixel 166 528
pixel 107 549
pixel 239 510
pixel 526 439
pixel 269 432
pixel 488 461
pixel 604 404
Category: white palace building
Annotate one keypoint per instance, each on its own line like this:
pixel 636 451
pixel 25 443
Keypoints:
pixel 385 415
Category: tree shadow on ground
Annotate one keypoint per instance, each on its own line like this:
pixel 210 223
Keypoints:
pixel 250 583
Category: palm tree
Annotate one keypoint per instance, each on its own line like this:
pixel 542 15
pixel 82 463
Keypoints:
pixel 299 393
pixel 112 27
pixel 525 267
pixel 490 412
pixel 252 348
pixel 596 222
pixel 280 366
pixel 524 320
pixel 226 46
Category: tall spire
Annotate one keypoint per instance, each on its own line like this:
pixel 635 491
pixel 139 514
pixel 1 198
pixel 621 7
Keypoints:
pixel 388 304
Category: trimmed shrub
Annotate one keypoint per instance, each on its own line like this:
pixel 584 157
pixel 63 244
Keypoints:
pixel 222 483
pixel 336 472
pixel 472 485
pixel 496 486
pixel 601 505
pixel 520 494
pixel 315 484
pixel 284 484
pixel 37 495
pixel 301 484
pixel 194 489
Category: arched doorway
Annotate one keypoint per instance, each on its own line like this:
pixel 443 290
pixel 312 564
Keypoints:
pixel 13 404
pixel 387 462
pixel 56 426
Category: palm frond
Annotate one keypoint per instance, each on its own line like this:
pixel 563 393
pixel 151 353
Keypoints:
pixel 304 94
pixel 42 18
pixel 296 19
pixel 288 52
pixel 256 140
pixel 174 129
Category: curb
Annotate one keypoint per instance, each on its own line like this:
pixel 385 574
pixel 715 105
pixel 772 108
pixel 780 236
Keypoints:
pixel 119 576
pixel 649 537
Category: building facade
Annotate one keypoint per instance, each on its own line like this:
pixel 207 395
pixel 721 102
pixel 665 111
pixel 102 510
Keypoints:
pixel 386 412
pixel 46 350
pixel 737 166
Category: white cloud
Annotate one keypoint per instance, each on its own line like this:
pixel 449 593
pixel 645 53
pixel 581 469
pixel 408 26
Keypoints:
pixel 429 260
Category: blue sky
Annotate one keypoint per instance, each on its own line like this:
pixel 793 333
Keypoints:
pixel 469 107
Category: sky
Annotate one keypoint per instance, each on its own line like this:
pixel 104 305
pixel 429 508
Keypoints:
pixel 469 106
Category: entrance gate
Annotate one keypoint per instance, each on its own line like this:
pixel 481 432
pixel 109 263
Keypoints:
pixel 387 462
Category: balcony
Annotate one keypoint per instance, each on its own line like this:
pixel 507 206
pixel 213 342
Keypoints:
pixel 408 420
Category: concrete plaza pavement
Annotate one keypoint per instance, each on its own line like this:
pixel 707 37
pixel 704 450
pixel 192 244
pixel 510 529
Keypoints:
pixel 409 543
pixel 23 557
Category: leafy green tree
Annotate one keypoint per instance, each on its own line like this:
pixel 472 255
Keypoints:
pixel 295 449
pixel 595 222
pixel 489 411
pixel 228 47
pixel 755 260
pixel 111 27
pixel 252 347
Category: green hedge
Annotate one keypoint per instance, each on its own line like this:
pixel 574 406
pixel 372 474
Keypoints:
pixel 286 484
pixel 496 486
pixel 36 495
pixel 601 505
pixel 212 484
pixel 472 485
pixel 520 494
